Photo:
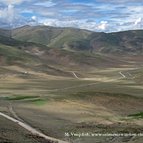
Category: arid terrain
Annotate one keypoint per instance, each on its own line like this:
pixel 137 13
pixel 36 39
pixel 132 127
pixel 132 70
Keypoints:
pixel 53 95
pixel 91 101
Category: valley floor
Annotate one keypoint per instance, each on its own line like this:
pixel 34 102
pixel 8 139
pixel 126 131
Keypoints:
pixel 99 101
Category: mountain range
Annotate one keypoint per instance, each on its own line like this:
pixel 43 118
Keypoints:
pixel 82 40
pixel 67 47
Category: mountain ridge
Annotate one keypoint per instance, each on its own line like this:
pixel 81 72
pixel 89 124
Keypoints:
pixel 74 48
pixel 82 40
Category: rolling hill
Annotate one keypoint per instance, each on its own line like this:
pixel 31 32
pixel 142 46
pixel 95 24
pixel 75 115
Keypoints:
pixel 53 37
pixel 57 48
pixel 23 51
pixel 119 42
pixel 73 39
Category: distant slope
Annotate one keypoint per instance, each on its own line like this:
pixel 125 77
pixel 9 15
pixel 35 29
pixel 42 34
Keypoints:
pixel 37 34
pixel 82 40
pixel 74 49
pixel 10 41
pixel 120 42
pixel 67 38
pixel 17 52
pixel 5 32
pixel 49 60
pixel 12 55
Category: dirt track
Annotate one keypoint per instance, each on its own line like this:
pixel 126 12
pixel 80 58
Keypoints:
pixel 31 129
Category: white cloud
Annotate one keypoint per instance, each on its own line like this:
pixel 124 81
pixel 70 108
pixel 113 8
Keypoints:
pixel 103 25
pixel 138 21
pixel 34 18
pixel 13 2
pixel 106 16
pixel 8 13
pixel 45 4
pixel 83 24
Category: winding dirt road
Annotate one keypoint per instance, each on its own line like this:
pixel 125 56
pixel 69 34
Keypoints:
pixel 74 74
pixel 122 74
pixel 31 129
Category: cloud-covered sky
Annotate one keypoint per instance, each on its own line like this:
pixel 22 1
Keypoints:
pixel 96 15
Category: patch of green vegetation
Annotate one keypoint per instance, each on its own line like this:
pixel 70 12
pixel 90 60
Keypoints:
pixel 20 97
pixel 137 115
pixel 30 99
pixel 39 102
pixel 12 54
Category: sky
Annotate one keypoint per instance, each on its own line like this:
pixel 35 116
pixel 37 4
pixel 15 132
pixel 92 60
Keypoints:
pixel 95 15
